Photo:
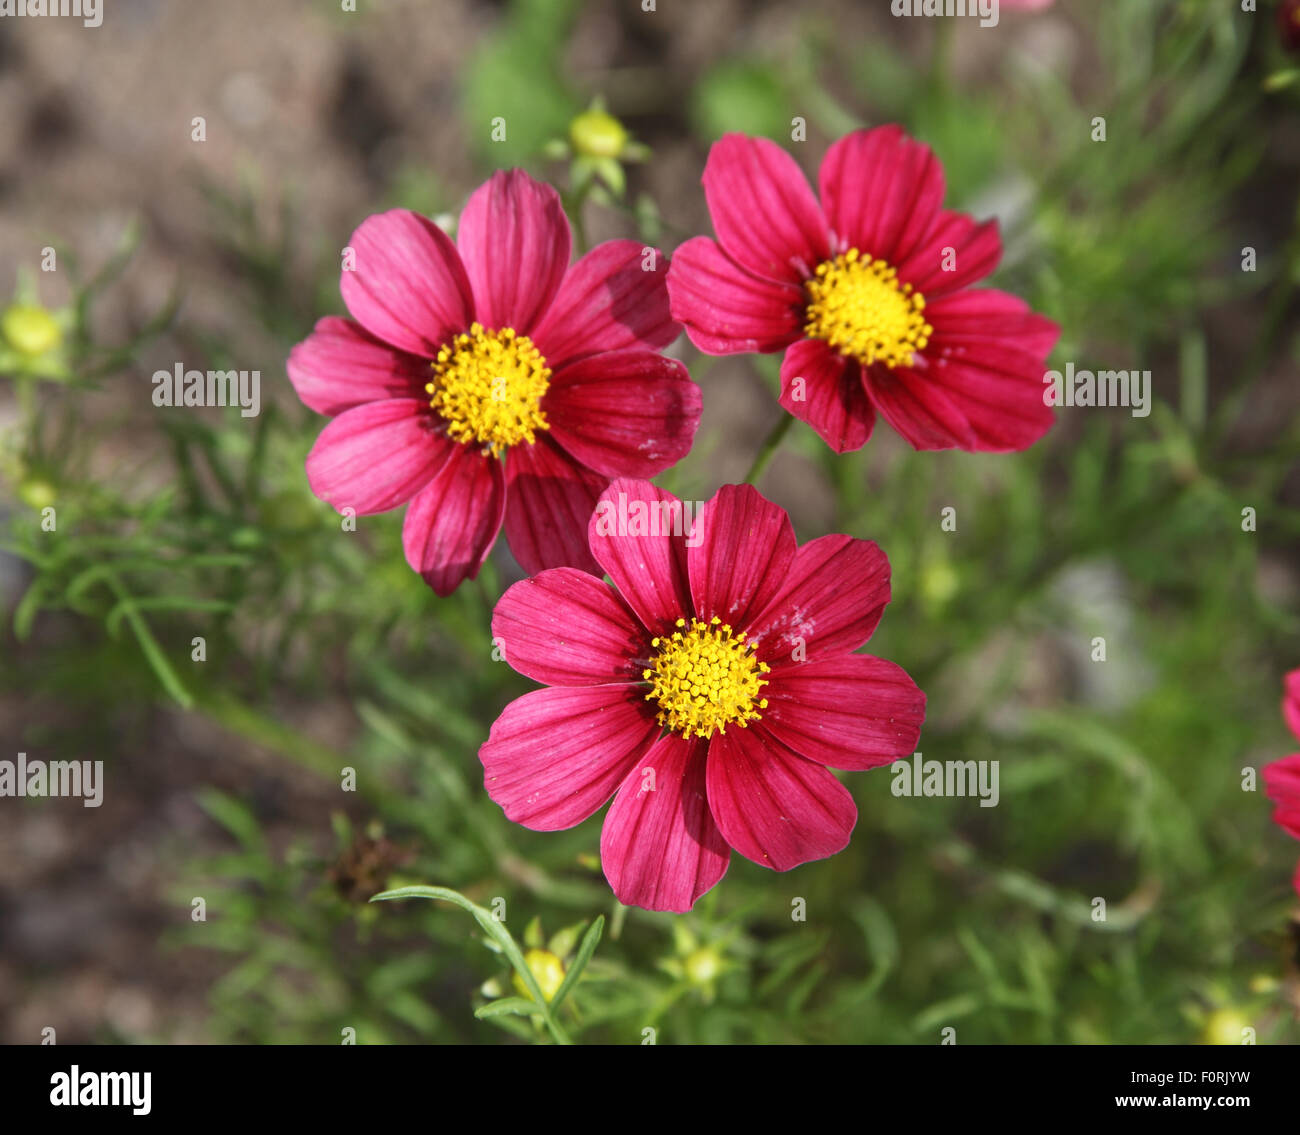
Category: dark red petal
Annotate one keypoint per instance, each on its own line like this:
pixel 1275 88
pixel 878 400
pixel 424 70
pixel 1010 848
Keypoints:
pixel 831 397
pixel 624 413
pixel 450 527
pixel 773 806
pixel 919 408
pixel 837 592
pixel 852 711
pixel 981 388
pixel 377 456
pixel 742 550
pixel 660 848
pixel 556 755
pixel 614 298
pixel 341 365
pixel 727 310
pixel 551 499
pixel 956 253
pixel 882 192
pixel 409 287
pixel 638 535
pixel 514 239
pixel 1291 702
pixel 763 209
pixel 985 314
pixel 567 628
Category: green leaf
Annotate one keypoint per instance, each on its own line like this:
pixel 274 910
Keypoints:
pixel 590 941
pixel 494 930
pixel 514 1006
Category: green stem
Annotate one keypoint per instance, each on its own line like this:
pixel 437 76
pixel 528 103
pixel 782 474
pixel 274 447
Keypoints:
pixel 769 447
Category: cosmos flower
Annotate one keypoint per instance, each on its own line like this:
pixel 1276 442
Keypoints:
pixel 1282 778
pixel 488 381
pixel 867 293
pixel 707 691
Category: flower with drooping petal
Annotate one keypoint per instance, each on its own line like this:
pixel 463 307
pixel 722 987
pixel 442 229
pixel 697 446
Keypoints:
pixel 707 691
pixel 1282 778
pixel 868 293
pixel 486 381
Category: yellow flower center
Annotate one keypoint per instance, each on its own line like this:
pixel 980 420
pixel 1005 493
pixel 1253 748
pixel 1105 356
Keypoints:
pixel 857 305
pixel 704 678
pixel 488 385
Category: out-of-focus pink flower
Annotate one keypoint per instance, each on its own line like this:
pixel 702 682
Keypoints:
pixel 1282 778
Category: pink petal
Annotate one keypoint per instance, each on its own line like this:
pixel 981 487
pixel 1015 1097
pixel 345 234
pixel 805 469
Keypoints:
pixel 742 560
pixel 763 209
pixel 615 297
pixel 377 456
pixel 638 535
pixel 341 365
pixel 660 848
pixel 918 408
pixel 556 755
pixel 837 592
pixel 834 398
pixel 986 314
pixel 881 191
pixel 955 253
pixel 1291 702
pixel 624 413
pixel 1282 783
pixel 852 711
pixel 514 240
pixel 726 310
pixel 551 499
pixel 773 806
pixel 450 527
pixel 409 287
pixel 976 394
pixel 567 628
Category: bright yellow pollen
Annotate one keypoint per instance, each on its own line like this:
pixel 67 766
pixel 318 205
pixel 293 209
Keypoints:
pixel 857 305
pixel 705 678
pixel 488 385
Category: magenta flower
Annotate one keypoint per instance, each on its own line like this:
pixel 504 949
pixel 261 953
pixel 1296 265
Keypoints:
pixel 1282 778
pixel 867 293
pixel 707 691
pixel 487 381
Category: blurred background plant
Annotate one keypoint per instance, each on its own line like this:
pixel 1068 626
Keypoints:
pixel 290 720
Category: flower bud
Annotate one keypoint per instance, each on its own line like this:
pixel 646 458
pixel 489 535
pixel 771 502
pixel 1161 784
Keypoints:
pixel 547 971
pixel 29 329
pixel 596 133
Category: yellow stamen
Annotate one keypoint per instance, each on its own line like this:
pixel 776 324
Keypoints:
pixel 857 306
pixel 488 385
pixel 705 678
